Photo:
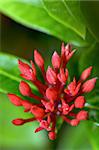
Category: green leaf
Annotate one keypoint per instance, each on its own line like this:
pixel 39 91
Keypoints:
pixel 67 13
pixel 10 75
pixel 90 10
pixel 33 15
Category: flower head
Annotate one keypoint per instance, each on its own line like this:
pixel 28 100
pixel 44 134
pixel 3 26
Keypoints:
pixel 57 99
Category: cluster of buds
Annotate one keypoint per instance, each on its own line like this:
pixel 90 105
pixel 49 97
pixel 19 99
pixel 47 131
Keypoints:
pixel 57 99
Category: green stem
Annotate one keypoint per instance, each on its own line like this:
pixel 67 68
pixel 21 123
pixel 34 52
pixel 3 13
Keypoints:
pixel 91 106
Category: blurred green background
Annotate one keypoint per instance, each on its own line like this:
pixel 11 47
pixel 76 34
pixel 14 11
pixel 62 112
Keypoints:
pixel 44 24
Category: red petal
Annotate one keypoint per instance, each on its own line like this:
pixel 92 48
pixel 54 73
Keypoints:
pixel 52 135
pixel 77 89
pixel 62 49
pixel 79 102
pixel 39 129
pixel 44 124
pixel 51 93
pixel 86 73
pixel 74 122
pixel 33 67
pixel 15 99
pixel 26 104
pixel 68 49
pixel 24 88
pixel 18 122
pixel 51 76
pixel 38 59
pixel 82 115
pixel 62 76
pixel 37 111
pixel 26 71
pixel 89 85
pixel 71 107
pixel 56 60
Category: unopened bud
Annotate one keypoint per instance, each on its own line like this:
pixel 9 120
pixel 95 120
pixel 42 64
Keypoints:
pixel 79 102
pixel 16 100
pixel 82 115
pixel 38 59
pixel 89 85
pixel 37 111
pixel 24 88
pixel 52 135
pixel 26 71
pixel 51 76
pixel 51 93
pixel 74 122
pixel 56 60
pixel 18 122
pixel 86 73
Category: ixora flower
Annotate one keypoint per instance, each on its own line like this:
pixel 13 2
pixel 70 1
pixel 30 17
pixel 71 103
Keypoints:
pixel 57 98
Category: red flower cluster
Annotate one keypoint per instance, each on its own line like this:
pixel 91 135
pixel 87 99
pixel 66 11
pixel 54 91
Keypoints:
pixel 57 99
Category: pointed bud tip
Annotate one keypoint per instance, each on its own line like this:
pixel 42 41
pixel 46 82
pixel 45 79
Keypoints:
pixel 89 85
pixel 14 99
pixel 51 75
pixel 86 73
pixel 24 88
pixel 18 121
pixel 56 61
pixel 38 59
pixel 68 46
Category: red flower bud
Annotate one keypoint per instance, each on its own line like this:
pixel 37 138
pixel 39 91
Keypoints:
pixel 52 135
pixel 57 98
pixel 65 107
pixel 48 105
pixel 38 59
pixel 82 115
pixel 24 88
pixel 79 102
pixel 74 122
pixel 44 124
pixel 73 88
pixel 26 104
pixel 88 85
pixel 71 107
pixel 51 76
pixel 62 49
pixel 86 73
pixel 37 111
pixel 63 76
pixel 26 71
pixel 51 93
pixel 39 129
pixel 18 122
pixel 56 60
pixel 33 68
pixel 16 100
pixel 68 52
pixel 68 49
